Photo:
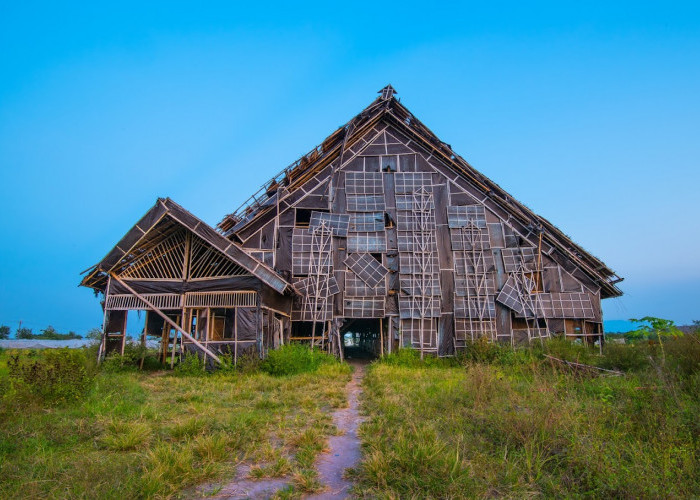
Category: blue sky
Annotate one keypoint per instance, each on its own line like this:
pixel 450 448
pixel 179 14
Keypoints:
pixel 589 114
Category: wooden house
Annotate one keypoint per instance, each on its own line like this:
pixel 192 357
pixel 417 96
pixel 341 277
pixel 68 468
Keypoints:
pixel 382 232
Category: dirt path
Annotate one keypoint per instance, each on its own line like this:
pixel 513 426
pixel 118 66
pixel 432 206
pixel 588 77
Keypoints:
pixel 344 450
pixel 242 487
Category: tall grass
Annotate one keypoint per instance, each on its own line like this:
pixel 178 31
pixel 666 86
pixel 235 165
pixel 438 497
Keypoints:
pixel 293 359
pixel 135 434
pixel 504 423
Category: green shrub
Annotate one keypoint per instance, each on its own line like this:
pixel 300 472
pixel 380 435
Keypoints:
pixel 484 351
pixel 625 357
pixel 295 358
pixel 55 376
pixel 191 364
pixel 568 350
pixel 131 360
pixel 248 361
pixel 683 355
pixel 410 358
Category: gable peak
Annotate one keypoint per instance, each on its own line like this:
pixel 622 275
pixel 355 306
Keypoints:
pixel 387 93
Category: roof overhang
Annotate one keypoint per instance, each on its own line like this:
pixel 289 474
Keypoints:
pixel 167 211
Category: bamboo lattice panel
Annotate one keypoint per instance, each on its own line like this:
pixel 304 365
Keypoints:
pixel 128 302
pixel 221 299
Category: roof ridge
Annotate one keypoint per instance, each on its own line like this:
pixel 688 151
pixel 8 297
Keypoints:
pixel 388 105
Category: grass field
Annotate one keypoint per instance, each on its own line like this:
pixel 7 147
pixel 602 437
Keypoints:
pixel 519 425
pixel 492 423
pixel 139 434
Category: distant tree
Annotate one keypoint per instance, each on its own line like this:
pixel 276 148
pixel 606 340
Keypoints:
pixel 4 332
pixel 24 333
pixel 651 328
pixel 696 326
pixel 49 333
pixel 94 334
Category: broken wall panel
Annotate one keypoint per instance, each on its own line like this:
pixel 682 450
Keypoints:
pixel 474 307
pixel 469 330
pixel 355 287
pixel 572 305
pixel 366 222
pixel 305 263
pixel 515 259
pixel 473 284
pixel 466 216
pixel 364 307
pixel 420 334
pixel 510 297
pixel 408 183
pixel 416 241
pixel 321 311
pixel 411 263
pixel 470 238
pixel 365 203
pixel 367 268
pixel 364 183
pixel 419 307
pixel 337 223
pixel 465 265
pixel 323 285
pixel 415 220
pixel 424 285
pixel 367 242
pixel 308 255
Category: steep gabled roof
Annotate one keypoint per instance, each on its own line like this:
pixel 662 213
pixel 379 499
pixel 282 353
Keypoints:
pixel 387 107
pixel 150 227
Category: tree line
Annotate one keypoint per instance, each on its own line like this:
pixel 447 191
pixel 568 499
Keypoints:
pixel 48 333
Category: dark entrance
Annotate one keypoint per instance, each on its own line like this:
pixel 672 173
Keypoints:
pixel 361 338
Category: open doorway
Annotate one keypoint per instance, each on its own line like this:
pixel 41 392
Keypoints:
pixel 362 338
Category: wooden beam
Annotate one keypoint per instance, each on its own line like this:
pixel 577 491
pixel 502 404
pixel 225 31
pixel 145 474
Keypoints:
pixel 168 320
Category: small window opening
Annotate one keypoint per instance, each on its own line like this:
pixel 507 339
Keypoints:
pixel 388 221
pixel 302 217
pixel 377 257
pixel 388 164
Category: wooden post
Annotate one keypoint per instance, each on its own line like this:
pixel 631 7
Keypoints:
pixel 327 335
pixel 172 355
pixel 126 317
pixel 340 342
pixel 143 343
pixel 206 333
pixel 381 338
pixel 103 343
pixel 168 320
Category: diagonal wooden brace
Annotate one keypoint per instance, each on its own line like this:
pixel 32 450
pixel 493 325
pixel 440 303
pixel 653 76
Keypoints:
pixel 165 317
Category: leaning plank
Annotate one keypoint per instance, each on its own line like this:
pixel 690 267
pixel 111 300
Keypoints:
pixel 165 317
pixel 582 366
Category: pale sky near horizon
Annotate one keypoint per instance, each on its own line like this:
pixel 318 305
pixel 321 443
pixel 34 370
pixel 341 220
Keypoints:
pixel 590 115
